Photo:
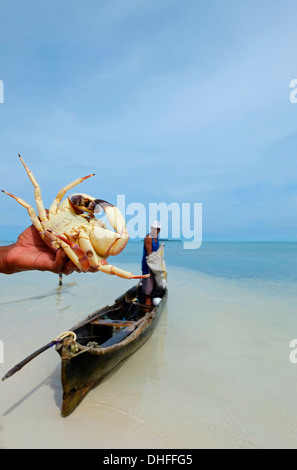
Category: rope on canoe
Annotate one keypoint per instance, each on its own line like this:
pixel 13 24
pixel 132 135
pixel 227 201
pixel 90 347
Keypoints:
pixel 63 336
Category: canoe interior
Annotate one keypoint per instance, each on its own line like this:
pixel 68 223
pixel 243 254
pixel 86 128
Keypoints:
pixel 127 308
pixel 100 333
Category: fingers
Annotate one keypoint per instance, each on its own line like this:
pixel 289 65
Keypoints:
pixel 59 262
pixel 63 264
pixel 93 270
pixel 69 267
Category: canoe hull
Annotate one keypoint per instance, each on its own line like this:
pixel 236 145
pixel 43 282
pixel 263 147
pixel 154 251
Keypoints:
pixel 82 372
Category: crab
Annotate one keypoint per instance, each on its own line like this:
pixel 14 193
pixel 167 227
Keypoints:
pixel 71 224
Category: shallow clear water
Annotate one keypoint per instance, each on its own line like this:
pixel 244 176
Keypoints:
pixel 216 372
pixel 233 260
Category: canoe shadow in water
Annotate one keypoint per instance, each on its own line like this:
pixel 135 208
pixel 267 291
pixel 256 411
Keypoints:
pixel 57 291
pixel 51 381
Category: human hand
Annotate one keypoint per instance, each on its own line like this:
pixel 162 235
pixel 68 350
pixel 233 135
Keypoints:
pixel 31 253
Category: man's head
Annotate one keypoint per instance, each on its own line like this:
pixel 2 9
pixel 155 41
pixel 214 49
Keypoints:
pixel 156 227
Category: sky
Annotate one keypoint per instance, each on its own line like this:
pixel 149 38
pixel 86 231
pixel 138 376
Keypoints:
pixel 167 101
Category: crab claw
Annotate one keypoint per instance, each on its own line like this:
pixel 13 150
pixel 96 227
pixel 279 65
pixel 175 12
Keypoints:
pixel 117 221
pixel 83 203
pixel 106 242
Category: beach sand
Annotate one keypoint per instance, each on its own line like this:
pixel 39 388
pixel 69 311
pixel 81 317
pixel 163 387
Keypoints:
pixel 215 374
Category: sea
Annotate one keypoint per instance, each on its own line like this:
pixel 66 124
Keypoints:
pixel 218 372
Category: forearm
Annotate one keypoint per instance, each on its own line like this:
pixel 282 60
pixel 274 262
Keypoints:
pixel 148 245
pixel 6 266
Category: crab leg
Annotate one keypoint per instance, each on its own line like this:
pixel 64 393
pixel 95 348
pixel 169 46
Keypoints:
pixel 37 193
pixel 110 269
pixel 74 252
pixel 84 242
pixel 61 193
pixel 31 211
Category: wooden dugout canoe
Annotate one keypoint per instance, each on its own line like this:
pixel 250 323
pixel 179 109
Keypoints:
pixel 103 340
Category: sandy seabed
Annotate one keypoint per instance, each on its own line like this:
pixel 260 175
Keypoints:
pixel 215 374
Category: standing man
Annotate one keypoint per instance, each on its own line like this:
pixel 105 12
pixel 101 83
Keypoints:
pixel 151 243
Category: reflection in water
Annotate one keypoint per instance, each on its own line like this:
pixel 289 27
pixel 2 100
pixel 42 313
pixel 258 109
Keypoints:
pixel 58 291
pixel 59 298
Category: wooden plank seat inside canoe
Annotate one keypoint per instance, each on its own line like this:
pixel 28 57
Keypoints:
pixel 114 323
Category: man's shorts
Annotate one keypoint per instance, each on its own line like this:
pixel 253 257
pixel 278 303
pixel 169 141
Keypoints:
pixel 148 284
